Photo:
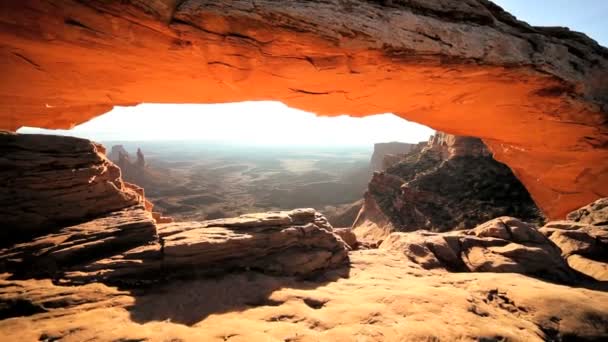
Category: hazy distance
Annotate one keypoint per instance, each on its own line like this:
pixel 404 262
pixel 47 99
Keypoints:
pixel 250 123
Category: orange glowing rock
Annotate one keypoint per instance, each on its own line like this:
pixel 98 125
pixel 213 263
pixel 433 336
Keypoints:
pixel 536 96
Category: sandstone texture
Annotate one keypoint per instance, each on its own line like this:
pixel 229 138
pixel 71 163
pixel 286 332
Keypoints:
pixel 51 181
pixel 504 244
pixel 595 213
pixel 289 275
pixel 381 296
pixel 452 183
pixel 535 95
pixel 583 242
pixel 127 248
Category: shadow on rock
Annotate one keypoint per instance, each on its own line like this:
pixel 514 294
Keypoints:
pixel 190 301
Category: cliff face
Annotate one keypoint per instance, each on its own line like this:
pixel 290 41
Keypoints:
pixel 381 150
pixel 452 183
pixel 465 67
pixel 49 181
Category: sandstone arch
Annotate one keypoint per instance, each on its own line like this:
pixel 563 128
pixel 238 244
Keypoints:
pixel 537 96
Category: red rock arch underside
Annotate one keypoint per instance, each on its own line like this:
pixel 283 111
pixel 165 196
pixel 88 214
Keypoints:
pixel 537 96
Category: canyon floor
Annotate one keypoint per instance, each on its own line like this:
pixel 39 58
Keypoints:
pixel 201 181
pixel 380 296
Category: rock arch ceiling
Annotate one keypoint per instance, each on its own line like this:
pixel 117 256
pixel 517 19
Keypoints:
pixel 537 96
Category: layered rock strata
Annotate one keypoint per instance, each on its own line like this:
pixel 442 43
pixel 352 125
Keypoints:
pixel 385 297
pixel 51 181
pixel 297 242
pixel 125 247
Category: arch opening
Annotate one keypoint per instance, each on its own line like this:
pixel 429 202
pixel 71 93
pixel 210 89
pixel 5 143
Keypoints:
pixel 536 96
pixel 198 162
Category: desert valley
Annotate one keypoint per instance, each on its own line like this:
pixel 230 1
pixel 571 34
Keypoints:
pixel 494 228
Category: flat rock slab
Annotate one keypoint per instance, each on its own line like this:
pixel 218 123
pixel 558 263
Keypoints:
pixel 385 298
pixel 297 242
pixel 79 244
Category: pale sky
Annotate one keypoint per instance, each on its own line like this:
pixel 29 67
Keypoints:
pixel 255 123
pixel 269 123
pixel 587 16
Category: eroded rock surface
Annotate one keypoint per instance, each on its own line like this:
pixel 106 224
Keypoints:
pixel 51 181
pixel 296 242
pixel 452 183
pixel 595 213
pixel 504 245
pixel 125 247
pixel 51 254
pixel 385 297
pixel 584 240
pixel 441 63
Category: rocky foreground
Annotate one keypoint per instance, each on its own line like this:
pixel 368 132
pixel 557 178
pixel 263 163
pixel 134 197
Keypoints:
pixel 115 273
pixel 403 291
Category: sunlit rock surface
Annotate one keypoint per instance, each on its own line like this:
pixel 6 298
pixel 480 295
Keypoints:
pixel 583 241
pixel 385 297
pixel 452 183
pixel 503 245
pixel 289 276
pixel 537 96
pixel 125 247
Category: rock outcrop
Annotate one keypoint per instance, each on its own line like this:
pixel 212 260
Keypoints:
pixel 126 248
pixel 583 239
pixel 136 176
pixel 595 213
pixel 453 183
pixel 563 251
pixel 381 150
pixel 49 255
pixel 385 297
pixel 441 63
pixel 297 242
pixel 51 181
pixel 504 244
pixel 116 151
pixel 132 171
